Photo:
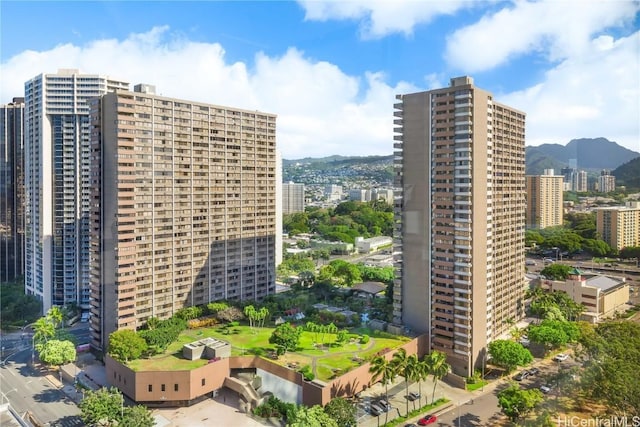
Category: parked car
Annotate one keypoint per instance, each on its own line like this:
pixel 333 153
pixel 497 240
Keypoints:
pixel 522 375
pixel 429 419
pixel 375 409
pixel 560 357
pixel 546 388
pixel 413 396
pixel 386 406
pixel 534 371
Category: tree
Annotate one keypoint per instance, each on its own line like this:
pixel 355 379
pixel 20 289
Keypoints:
pixel 382 369
pixel 400 360
pixel 341 411
pixel 517 403
pixel 437 366
pixel 55 316
pixel 104 406
pixel 509 354
pixel 413 371
pixel 315 416
pixel 43 330
pixel 261 315
pixel 137 416
pixel 548 336
pixel 125 345
pixel 251 313
pixel 611 375
pixel 55 352
pixel 230 314
pixel 556 271
pixel 286 336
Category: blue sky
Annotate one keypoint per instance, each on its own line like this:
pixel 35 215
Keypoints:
pixel 330 70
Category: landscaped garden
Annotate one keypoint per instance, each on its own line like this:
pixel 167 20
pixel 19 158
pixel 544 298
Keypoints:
pixel 321 351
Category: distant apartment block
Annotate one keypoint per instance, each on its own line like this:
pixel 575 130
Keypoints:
pixel 619 226
pixel 292 198
pixel 58 184
pixel 606 182
pixel 12 190
pixel 385 194
pixel 460 219
pixel 183 207
pixel 360 195
pixel 544 200
pixel 333 193
pixel 580 182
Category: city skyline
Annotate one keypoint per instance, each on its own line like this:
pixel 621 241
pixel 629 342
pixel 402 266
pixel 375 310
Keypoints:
pixel 576 78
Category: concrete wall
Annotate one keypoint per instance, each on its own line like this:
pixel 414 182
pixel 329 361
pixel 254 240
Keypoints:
pixel 284 390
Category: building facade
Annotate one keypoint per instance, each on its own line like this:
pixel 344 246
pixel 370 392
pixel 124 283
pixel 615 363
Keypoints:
pixel 544 200
pixel 606 182
pixel 183 207
pixel 292 198
pixel 57 184
pixel 12 190
pixel 360 195
pixel 333 193
pixel 619 226
pixel 460 219
pixel 580 182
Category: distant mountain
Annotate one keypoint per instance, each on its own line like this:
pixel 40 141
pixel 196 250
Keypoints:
pixel 590 153
pixel 628 174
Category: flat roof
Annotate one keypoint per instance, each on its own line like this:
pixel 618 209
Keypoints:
pixel 604 282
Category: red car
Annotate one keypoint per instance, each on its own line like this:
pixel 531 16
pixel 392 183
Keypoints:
pixel 429 419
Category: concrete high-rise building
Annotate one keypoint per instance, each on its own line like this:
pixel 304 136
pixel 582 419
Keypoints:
pixel 183 207
pixel 12 190
pixel 460 219
pixel 619 226
pixel 292 198
pixel 382 194
pixel 360 195
pixel 580 181
pixel 57 184
pixel 333 193
pixel 606 182
pixel 544 200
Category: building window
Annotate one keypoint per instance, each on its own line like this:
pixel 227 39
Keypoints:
pixel 204 381
pixel 150 388
pixel 175 387
pixel 162 387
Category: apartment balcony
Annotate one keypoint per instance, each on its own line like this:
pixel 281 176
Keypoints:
pixel 466 95
pixel 462 290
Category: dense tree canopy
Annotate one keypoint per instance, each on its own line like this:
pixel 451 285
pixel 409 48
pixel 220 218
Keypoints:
pixel 556 271
pixel 517 403
pixel 16 307
pixel 286 336
pixel 55 352
pixel 509 354
pixel 343 223
pixel 342 411
pixel 105 407
pixel 125 345
pixel 611 373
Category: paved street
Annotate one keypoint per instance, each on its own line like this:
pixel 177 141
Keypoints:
pixel 28 389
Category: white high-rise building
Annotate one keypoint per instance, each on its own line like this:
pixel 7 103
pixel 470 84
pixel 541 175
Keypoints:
pixel 292 198
pixel 57 184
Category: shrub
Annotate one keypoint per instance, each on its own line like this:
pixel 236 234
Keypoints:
pixel 230 314
pixel 364 339
pixel 201 322
pixel 307 373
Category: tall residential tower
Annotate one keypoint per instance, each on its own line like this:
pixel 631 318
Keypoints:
pixel 57 184
pixel 11 190
pixel 183 207
pixel 544 200
pixel 460 211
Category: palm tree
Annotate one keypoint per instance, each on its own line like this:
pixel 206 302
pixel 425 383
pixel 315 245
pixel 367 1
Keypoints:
pixel 517 333
pixel 56 316
pixel 438 367
pixel 250 312
pixel 43 330
pixel 412 372
pixel 384 370
pixel 400 362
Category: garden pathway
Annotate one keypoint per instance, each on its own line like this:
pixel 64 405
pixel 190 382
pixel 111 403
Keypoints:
pixel 314 359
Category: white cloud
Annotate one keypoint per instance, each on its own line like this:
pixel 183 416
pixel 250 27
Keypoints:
pixel 592 95
pixel 555 29
pixel 321 110
pixel 381 18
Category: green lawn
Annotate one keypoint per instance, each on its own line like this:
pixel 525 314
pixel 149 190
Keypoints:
pixel 246 341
